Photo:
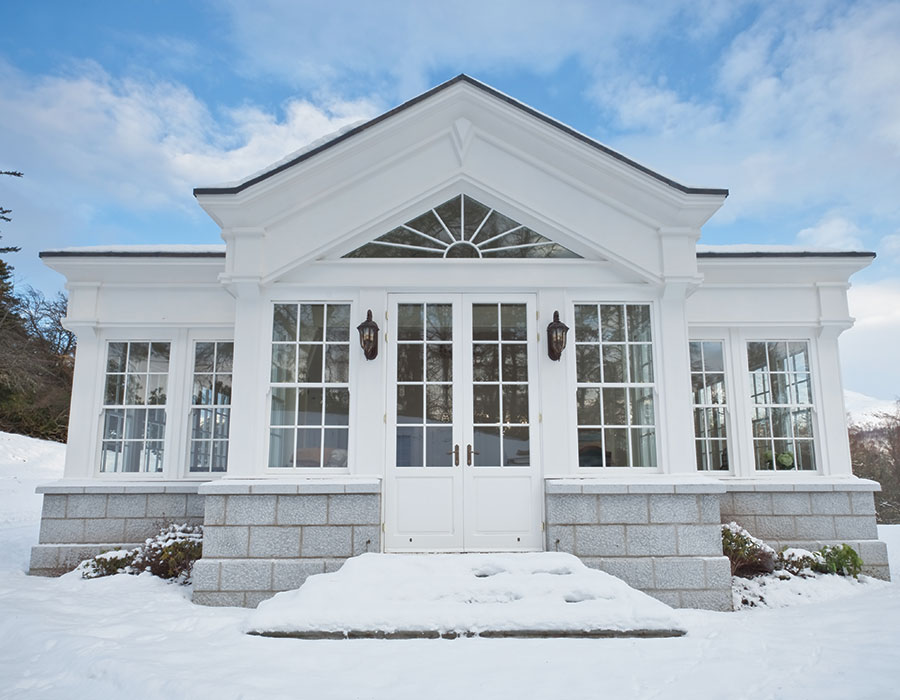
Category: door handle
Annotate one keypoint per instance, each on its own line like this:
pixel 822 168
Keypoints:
pixel 469 453
pixel 455 453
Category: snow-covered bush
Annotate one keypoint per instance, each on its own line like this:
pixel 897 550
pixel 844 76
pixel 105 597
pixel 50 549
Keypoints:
pixel 799 562
pixel 169 555
pixel 841 559
pixel 748 555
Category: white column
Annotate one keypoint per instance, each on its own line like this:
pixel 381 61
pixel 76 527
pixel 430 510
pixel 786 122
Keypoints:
pixel 674 384
pixel 84 411
pixel 833 443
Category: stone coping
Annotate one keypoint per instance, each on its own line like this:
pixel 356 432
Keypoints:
pixel 619 486
pixel 71 486
pixel 316 485
pixel 800 484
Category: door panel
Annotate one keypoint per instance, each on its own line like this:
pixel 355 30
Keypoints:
pixel 461 372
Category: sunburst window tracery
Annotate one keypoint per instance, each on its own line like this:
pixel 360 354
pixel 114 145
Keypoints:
pixel 462 228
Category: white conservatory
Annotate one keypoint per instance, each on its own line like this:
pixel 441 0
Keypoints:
pixel 461 326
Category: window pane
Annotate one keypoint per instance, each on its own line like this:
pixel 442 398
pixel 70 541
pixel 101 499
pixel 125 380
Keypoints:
pixel 439 324
pixel 716 388
pixel 156 389
pixel 222 423
pixel 588 406
pixel 110 456
pixel 224 357
pixel 203 389
pixel 337 364
pixel 281 447
pixel 806 456
pixel 590 448
pixel 713 358
pixel 515 403
pixel 223 389
pixel 439 403
pixel 204 357
pixel 312 322
pixel 799 357
pixel 309 448
pixel 641 364
pixel 410 446
pixel 115 359
pixel 309 406
pixel 159 357
pixel 515 363
pixel 778 357
pixel 337 407
pixel 487 445
pixel 614 364
pixel 612 324
pixel 486 401
pixel 643 447
pixel 642 406
pixel 696 356
pixel 135 423
pixel 284 406
pixel 410 321
pixel 199 458
pixel 338 322
pixel 756 356
pixel 639 323
pixel 153 457
pixel 409 362
pixel 438 447
pixel 113 424
pixel 137 357
pixel 718 455
pixel 485 367
pixel 614 406
pixel 484 322
pixel 284 327
pixel 201 423
pixel 114 393
pixel 587 363
pixel 219 455
pixel 309 364
pixel 136 390
pixel 615 441
pixel 516 449
pixel 762 450
pixel 410 400
pixel 283 363
pixel 439 360
pixel 587 324
pixel 513 322
pixel 335 452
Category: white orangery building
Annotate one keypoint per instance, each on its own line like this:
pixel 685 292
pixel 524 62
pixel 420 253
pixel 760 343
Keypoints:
pixel 231 385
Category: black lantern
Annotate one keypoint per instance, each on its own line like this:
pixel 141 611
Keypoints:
pixel 556 337
pixel 368 337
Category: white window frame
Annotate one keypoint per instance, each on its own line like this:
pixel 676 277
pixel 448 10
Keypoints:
pixel 725 337
pixel 569 357
pixel 187 380
pixel 266 368
pixel 174 397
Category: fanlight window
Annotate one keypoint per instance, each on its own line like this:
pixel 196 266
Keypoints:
pixel 462 228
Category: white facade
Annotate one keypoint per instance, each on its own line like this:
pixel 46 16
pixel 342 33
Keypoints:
pixel 633 238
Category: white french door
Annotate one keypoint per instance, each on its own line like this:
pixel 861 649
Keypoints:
pixel 462 470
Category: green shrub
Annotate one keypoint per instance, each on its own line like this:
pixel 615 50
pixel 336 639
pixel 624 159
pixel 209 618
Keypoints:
pixel 748 555
pixel 169 555
pixel 799 562
pixel 116 561
pixel 841 559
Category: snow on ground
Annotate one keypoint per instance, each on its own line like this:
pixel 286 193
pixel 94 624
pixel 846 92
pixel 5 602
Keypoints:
pixel 140 638
pixel 463 593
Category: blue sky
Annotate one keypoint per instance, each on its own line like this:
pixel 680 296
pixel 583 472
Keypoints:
pixel 115 111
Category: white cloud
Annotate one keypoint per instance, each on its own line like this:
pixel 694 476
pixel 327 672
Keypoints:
pixel 832 231
pixel 145 144
pixel 869 349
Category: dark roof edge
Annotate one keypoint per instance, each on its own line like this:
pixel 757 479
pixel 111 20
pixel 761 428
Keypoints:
pixel 126 254
pixel 462 77
pixel 788 254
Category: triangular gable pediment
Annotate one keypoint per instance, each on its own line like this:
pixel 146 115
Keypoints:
pixel 462 227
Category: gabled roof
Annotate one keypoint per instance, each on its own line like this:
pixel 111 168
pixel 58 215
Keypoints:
pixel 487 89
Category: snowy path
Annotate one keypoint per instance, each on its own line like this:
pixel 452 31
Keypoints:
pixel 138 638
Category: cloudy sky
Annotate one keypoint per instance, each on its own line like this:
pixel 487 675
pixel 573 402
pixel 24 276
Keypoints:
pixel 115 111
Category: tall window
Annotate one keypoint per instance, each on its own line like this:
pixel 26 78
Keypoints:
pixel 211 406
pixel 134 413
pixel 614 394
pixel 310 389
pixel 781 392
pixel 710 404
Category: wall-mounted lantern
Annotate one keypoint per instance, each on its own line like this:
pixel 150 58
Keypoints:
pixel 368 337
pixel 556 337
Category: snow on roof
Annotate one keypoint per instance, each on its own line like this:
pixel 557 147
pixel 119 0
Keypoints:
pixel 750 249
pixel 174 250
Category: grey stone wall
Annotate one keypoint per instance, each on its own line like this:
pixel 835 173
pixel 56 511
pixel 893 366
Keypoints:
pixel 811 515
pixel 261 538
pixel 663 539
pixel 79 522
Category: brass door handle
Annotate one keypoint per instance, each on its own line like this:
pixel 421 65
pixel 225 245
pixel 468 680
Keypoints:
pixel 455 453
pixel 469 453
